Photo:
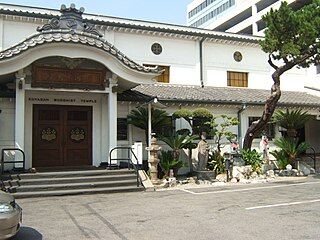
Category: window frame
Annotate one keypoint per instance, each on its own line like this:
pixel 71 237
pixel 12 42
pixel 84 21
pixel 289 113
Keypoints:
pixel 237 79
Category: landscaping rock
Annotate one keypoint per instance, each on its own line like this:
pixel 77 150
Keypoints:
pixel 233 180
pixel 289 167
pixel 222 177
pixel 270 174
pixel 312 171
pixel 237 169
pixel 254 175
pixel 305 168
pixel 238 162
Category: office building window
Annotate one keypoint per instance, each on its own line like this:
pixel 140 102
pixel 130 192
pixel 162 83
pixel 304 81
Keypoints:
pixel 237 79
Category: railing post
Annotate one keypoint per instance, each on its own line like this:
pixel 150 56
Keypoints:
pixel 2 162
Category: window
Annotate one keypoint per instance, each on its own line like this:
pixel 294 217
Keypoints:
pixel 122 129
pixel 269 130
pixel 164 77
pixel 237 79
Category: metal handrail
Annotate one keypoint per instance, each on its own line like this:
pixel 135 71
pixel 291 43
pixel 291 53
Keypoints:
pixel 23 161
pixel 129 160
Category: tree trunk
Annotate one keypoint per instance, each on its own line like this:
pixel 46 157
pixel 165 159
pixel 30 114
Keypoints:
pixel 257 127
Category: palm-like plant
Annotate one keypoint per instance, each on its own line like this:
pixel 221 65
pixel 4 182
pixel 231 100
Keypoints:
pixel 291 120
pixel 177 142
pixel 139 118
pixel 168 162
pixel 291 148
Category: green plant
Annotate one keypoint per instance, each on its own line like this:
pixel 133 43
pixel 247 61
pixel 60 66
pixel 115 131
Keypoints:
pixel 291 40
pixel 291 148
pixel 222 130
pixel 253 158
pixel 184 113
pixel 291 120
pixel 168 162
pixel 177 142
pixel 281 157
pixel 139 118
pixel 216 162
pixel 202 113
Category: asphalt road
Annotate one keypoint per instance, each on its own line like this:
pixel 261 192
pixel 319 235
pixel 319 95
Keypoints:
pixel 287 210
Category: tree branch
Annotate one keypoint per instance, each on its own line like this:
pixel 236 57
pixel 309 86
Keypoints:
pixel 271 63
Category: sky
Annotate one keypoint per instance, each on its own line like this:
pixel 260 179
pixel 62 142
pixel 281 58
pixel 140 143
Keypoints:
pixel 167 11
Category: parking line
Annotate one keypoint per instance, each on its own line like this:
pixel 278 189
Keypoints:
pixel 249 189
pixel 283 204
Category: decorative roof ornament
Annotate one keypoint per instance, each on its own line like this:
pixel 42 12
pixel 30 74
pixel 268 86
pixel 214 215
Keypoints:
pixel 70 19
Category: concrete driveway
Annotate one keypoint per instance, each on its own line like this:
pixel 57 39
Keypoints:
pixel 286 210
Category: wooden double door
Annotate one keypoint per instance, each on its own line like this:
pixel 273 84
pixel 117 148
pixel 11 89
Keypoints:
pixel 62 136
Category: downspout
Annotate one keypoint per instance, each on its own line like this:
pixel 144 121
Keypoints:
pixel 244 106
pixel 201 60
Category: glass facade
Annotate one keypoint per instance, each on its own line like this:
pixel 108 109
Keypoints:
pixel 223 7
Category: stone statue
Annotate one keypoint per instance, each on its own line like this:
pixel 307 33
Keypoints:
pixel 264 148
pixel 203 152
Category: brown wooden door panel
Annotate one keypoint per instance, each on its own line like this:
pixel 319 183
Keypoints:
pixel 62 136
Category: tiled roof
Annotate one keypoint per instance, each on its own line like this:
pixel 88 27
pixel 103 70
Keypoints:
pixel 46 13
pixel 68 36
pixel 221 95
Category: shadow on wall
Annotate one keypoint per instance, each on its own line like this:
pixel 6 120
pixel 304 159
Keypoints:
pixel 28 233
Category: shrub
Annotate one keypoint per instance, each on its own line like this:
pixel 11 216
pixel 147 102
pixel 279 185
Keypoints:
pixel 291 148
pixel 216 162
pixel 168 162
pixel 253 158
pixel 281 157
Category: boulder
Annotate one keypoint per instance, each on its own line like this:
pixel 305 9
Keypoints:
pixel 289 167
pixel 270 174
pixel 234 180
pixel 305 168
pixel 222 177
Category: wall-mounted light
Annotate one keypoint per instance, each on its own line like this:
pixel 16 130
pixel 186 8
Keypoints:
pixel 20 84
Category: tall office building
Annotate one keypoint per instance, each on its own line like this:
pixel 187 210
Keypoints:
pixel 235 16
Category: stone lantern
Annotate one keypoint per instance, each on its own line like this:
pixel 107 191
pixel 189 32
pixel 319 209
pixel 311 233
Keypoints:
pixel 154 160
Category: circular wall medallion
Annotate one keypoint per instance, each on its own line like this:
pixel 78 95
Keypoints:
pixel 237 56
pixel 156 48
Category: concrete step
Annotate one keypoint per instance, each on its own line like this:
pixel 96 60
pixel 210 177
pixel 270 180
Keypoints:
pixel 77 191
pixel 71 174
pixel 71 186
pixel 77 179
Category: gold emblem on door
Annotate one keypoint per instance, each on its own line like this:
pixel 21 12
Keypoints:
pixel 48 134
pixel 77 134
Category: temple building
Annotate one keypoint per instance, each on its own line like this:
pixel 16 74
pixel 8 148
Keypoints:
pixel 68 80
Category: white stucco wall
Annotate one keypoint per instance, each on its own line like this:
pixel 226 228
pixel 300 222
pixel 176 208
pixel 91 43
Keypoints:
pixel 182 55
pixel 7 122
